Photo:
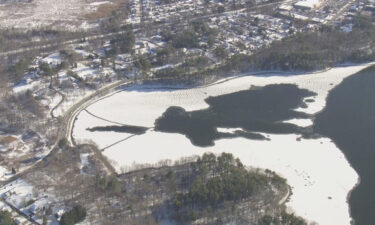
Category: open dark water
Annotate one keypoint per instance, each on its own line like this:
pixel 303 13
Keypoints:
pixel 121 129
pixel 349 120
pixel 254 110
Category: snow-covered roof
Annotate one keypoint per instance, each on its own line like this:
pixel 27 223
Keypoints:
pixel 308 4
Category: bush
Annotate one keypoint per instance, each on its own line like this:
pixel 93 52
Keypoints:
pixel 285 218
pixel 186 39
pixel 221 53
pixel 142 63
pixel 76 215
pixel 63 143
pixel 6 218
pixel 123 43
pixel 114 185
pixel 17 70
pixel 45 69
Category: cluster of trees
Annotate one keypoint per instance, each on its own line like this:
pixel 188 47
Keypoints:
pixel 48 70
pixel 197 31
pixel 18 69
pixel 198 62
pixel 312 50
pixel 75 75
pixel 74 216
pixel 221 53
pixel 217 180
pixel 69 58
pixel 11 39
pixel 186 39
pixel 6 218
pixel 283 219
pixel 188 69
pixel 113 22
pixel 109 184
pixel 123 43
pixel 29 103
pixel 170 72
pixel 142 63
pixel 166 55
pixel 164 2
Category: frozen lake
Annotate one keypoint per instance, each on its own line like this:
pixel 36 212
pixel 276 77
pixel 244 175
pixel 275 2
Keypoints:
pixel 265 121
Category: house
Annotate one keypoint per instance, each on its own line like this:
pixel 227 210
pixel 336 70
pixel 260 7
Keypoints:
pixel 308 4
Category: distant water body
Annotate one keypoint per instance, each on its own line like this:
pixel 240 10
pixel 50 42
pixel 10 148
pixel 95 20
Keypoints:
pixel 349 120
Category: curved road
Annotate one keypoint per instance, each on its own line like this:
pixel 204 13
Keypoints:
pixel 66 123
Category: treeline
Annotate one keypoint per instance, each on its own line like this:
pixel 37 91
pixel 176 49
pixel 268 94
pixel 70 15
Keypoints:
pixel 312 50
pixel 11 39
pixel 218 180
pixel 190 68
pixel 283 219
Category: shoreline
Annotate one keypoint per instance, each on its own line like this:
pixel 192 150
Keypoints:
pixel 350 194
pixel 229 80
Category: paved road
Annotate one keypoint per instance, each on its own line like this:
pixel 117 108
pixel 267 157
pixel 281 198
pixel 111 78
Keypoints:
pixel 70 115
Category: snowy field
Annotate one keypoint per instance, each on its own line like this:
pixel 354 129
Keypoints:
pixel 43 13
pixel 316 169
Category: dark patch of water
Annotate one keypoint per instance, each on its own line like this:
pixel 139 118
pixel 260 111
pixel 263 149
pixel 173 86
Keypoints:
pixel 310 100
pixel 122 129
pixel 254 110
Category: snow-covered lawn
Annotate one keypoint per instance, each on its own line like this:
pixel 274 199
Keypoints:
pixel 84 161
pixel 318 172
pixel 53 59
pixel 4 173
pixel 20 152
pixel 85 71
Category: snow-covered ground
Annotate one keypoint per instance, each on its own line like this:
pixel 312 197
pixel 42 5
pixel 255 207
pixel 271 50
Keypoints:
pixel 19 152
pixel 100 3
pixel 53 59
pixel 317 171
pixel 43 13
pixel 30 201
pixel 84 161
pixel 4 173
